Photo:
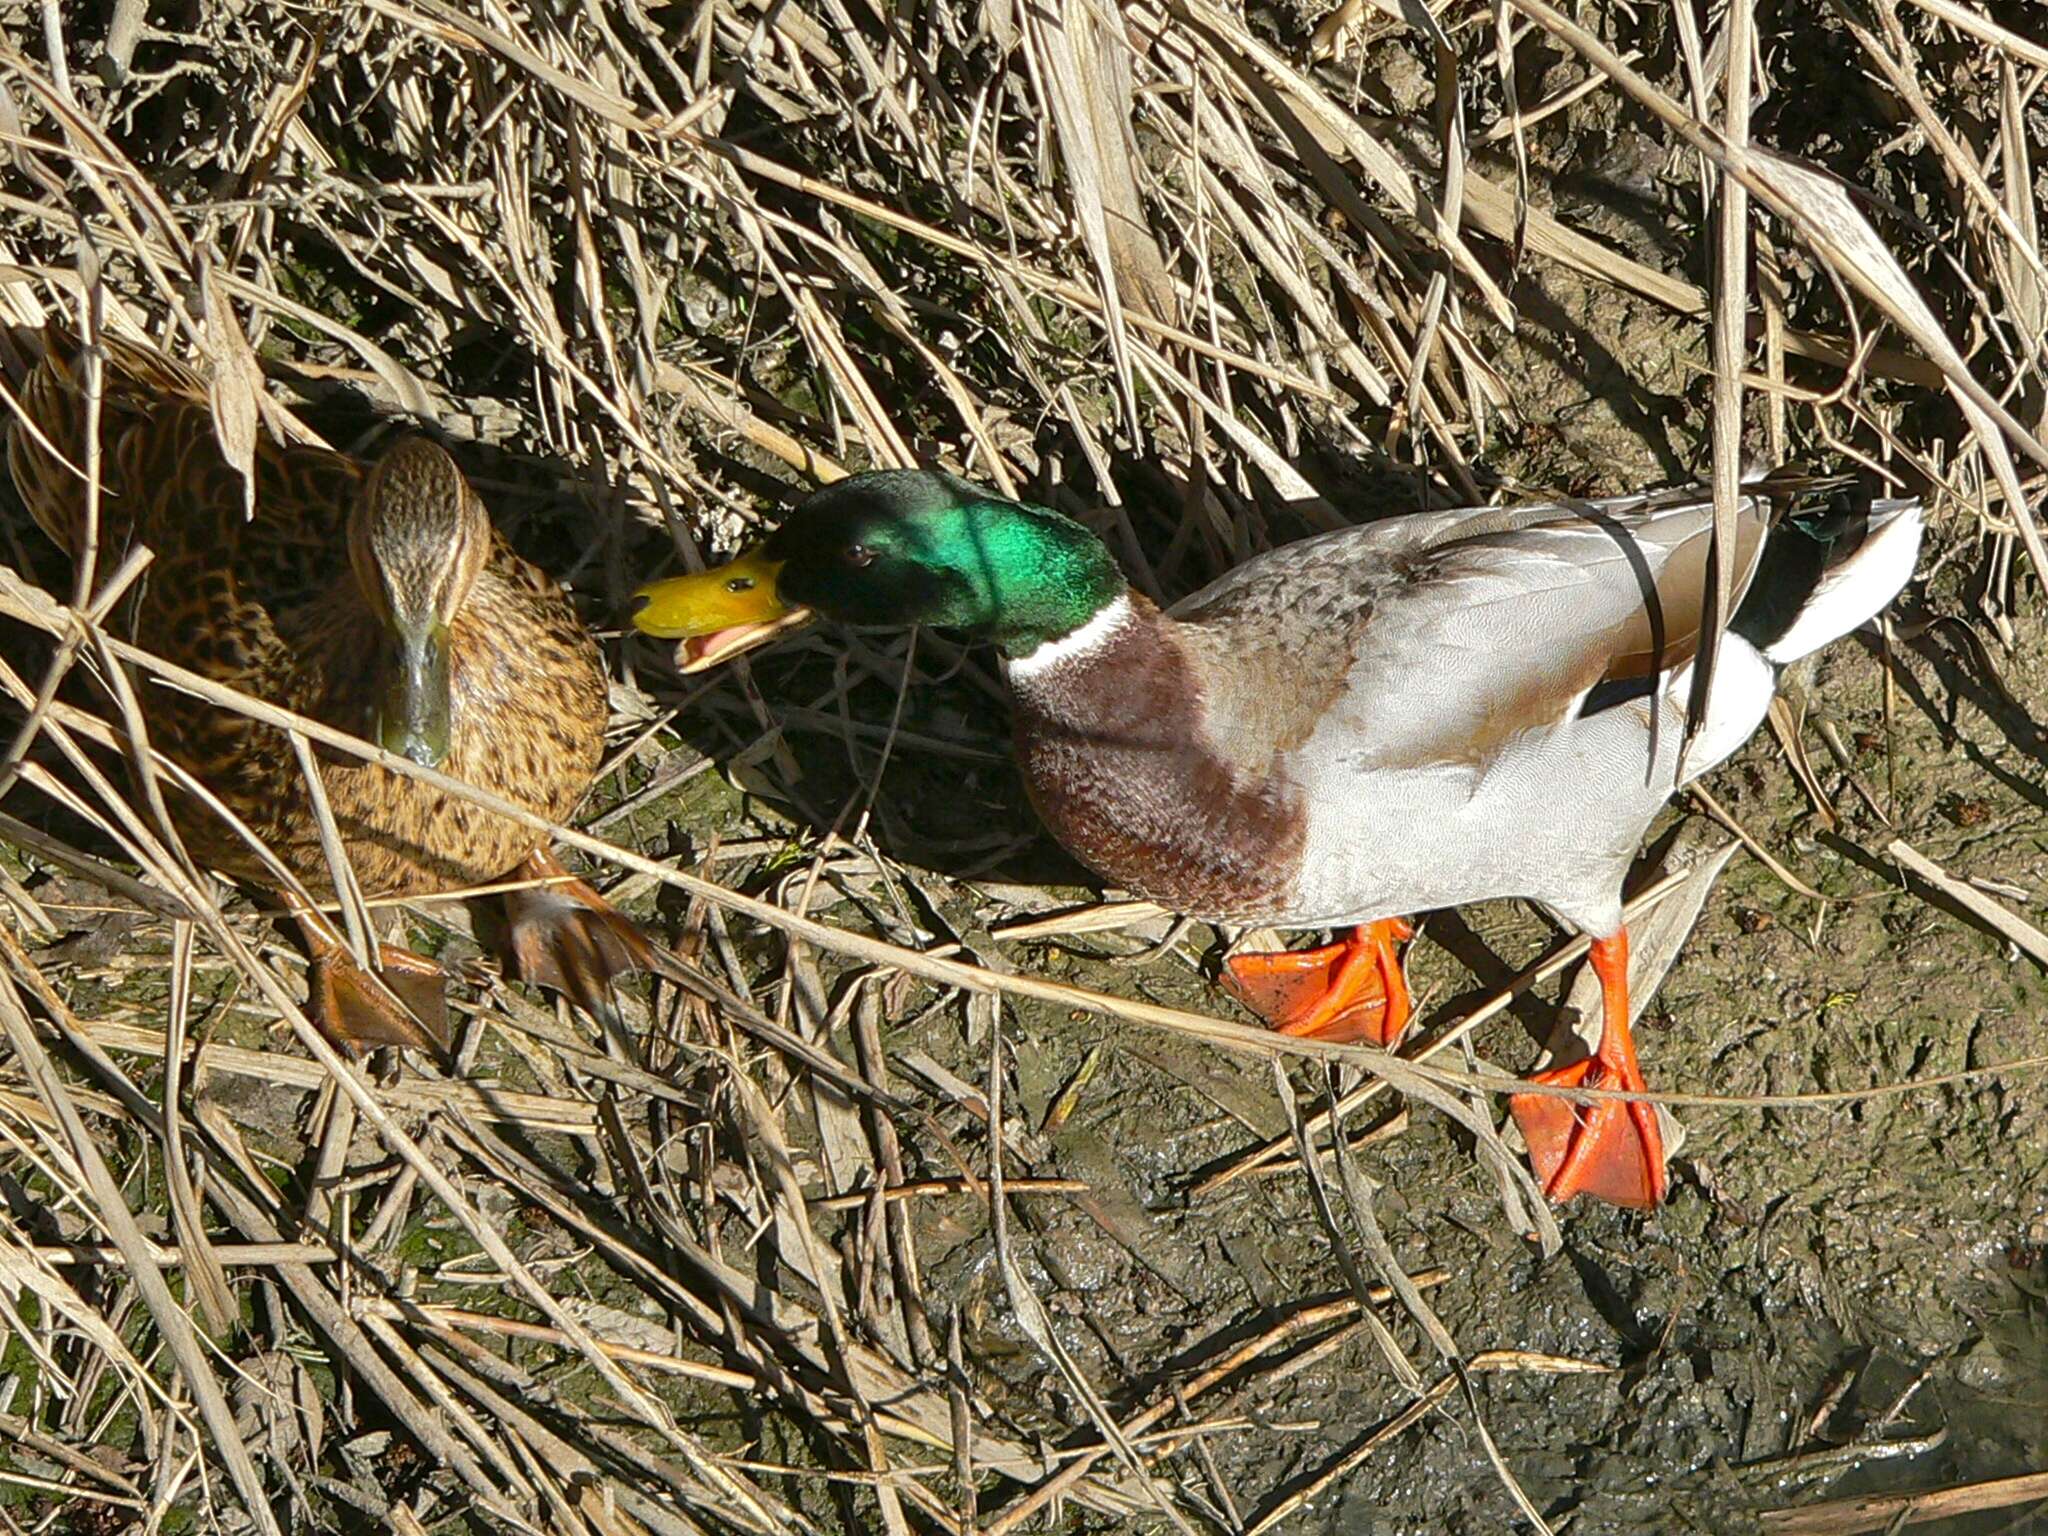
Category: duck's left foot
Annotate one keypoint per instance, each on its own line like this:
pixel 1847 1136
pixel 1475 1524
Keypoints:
pixel 1350 990
pixel 564 935
pixel 400 1003
pixel 1612 1150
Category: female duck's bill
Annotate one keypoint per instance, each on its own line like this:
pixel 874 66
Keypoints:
pixel 718 614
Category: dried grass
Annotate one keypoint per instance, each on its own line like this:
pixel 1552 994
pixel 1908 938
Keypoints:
pixel 1159 258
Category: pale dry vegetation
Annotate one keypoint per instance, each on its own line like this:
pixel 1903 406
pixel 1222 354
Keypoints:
pixel 1208 276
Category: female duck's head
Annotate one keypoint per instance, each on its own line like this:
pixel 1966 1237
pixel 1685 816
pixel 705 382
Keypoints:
pixel 894 547
pixel 417 537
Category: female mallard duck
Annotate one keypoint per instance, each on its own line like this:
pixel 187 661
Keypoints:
pixel 378 600
pixel 1433 709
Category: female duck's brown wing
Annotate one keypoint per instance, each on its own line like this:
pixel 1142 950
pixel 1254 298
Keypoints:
pixel 163 479
pixel 245 601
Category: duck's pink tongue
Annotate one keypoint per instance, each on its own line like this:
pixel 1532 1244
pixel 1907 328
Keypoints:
pixel 703 650
pixel 699 652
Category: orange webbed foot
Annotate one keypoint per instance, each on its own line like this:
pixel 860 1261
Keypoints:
pixel 1342 992
pixel 401 1003
pixel 1612 1150
pixel 565 936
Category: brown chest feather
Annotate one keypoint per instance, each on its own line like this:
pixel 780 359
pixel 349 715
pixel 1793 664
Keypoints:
pixel 1113 752
pixel 527 723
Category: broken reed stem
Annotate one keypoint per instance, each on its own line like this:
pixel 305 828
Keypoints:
pixel 1898 1511
pixel 232 1255
pixel 461 1319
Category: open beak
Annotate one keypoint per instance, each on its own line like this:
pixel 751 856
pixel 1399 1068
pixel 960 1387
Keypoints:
pixel 412 719
pixel 718 614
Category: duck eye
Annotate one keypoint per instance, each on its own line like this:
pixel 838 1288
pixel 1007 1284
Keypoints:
pixel 859 554
pixel 740 584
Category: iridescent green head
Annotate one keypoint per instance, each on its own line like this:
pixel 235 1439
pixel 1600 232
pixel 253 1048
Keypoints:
pixel 895 547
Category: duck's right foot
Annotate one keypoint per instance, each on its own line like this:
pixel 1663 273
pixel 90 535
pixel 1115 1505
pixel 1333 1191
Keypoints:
pixel 565 936
pixel 1342 992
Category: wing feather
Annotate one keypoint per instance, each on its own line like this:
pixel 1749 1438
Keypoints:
pixel 1437 639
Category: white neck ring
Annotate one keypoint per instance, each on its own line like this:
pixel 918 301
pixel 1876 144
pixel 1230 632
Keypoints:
pixel 1075 645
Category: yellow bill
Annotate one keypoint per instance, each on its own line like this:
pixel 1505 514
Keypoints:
pixel 720 613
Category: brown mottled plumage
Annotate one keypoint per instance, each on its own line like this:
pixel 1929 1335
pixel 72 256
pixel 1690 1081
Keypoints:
pixel 271 606
pixel 294 605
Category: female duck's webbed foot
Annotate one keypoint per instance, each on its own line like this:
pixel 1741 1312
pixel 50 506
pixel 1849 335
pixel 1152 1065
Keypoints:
pixel 1613 1149
pixel 1350 990
pixel 402 1003
pixel 565 936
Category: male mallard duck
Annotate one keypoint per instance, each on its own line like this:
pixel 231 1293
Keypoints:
pixel 377 599
pixel 1430 710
